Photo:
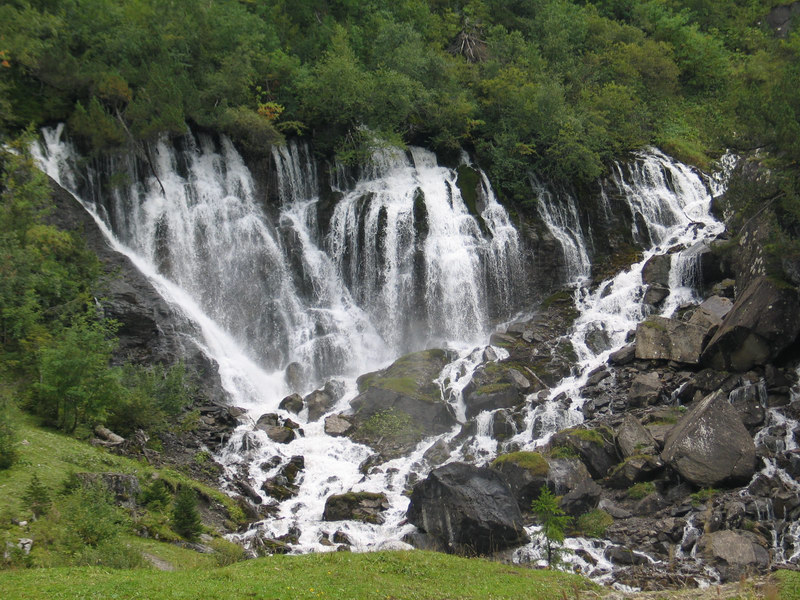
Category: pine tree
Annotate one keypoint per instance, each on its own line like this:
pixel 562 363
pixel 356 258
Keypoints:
pixel 553 520
pixel 185 517
pixel 156 496
pixel 36 497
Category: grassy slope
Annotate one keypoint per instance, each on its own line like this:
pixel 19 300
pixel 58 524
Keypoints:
pixel 407 575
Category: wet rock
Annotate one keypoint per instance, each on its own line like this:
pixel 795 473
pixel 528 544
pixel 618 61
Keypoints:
pixel 747 401
pixel 711 312
pixel 340 537
pixel 528 472
pixel 337 425
pixel 425 541
pixel 633 438
pixel 710 445
pixel 279 434
pixel 636 468
pixel 356 506
pixel 292 404
pixel 295 376
pixel 249 443
pixel 645 389
pixel 283 485
pixel 659 338
pixel 437 453
pixel 764 321
pixel 318 403
pixel 656 270
pixel 624 556
pixel 470 509
pixel 502 425
pixel 399 406
pixel 735 553
pixel 655 294
pixel 249 492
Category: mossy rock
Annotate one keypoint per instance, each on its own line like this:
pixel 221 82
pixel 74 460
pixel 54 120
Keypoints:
pixel 532 461
pixel 411 375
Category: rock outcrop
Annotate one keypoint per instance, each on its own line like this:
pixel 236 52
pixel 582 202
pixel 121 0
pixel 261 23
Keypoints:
pixel 470 509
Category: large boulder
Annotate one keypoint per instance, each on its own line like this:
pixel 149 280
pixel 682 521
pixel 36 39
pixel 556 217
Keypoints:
pixel 633 438
pixel 399 406
pixel 735 553
pixel 528 472
pixel 710 446
pixel 645 389
pixel 470 509
pixel 659 338
pixel 595 447
pixel 763 322
pixel 356 506
pixel 496 385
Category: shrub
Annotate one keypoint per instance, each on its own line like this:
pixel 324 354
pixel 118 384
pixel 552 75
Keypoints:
pixel 594 523
pixel 703 496
pixel 640 490
pixel 8 438
pixel 156 496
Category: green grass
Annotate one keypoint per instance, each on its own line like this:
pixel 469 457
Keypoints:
pixel 533 461
pixel 788 584
pixel 407 575
pixel 641 490
pixel 52 455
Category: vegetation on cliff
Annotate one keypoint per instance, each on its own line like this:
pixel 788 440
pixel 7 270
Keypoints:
pixel 556 86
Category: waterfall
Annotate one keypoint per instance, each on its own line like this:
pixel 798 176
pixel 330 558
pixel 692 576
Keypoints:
pixel 559 212
pixel 673 203
pixel 405 264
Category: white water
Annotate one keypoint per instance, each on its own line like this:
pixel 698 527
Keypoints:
pixel 674 202
pixel 269 289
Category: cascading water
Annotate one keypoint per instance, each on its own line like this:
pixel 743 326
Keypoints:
pixel 269 291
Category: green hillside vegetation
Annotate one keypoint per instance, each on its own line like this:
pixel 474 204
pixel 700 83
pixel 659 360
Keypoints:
pixel 557 86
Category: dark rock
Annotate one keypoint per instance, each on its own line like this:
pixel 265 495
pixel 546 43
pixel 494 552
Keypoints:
pixel 735 553
pixel 249 491
pixel 763 321
pixel 279 434
pixel 710 445
pixel 656 270
pixel 623 356
pixel 425 541
pixel 340 537
pixel 356 506
pixel 582 498
pixel 659 338
pixel 615 511
pixel 292 404
pixel 437 453
pixel 470 509
pixel 283 485
pixel 318 403
pixel 624 556
pixel 502 425
pixel 528 472
pixel 639 467
pixel 655 294
pixel 645 389
pixel 596 450
pixel 748 401
pixel 295 376
pixel 633 438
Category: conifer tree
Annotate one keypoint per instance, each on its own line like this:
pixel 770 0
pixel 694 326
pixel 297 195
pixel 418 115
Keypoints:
pixel 553 521
pixel 36 497
pixel 185 517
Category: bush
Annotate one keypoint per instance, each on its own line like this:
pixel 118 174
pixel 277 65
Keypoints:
pixel 594 523
pixel 8 438
pixel 641 490
pixel 185 517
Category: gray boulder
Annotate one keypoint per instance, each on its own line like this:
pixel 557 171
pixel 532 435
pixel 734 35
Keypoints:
pixel 470 509
pixel 763 322
pixel 656 270
pixel 645 389
pixel 528 472
pixel 710 445
pixel 337 425
pixel 735 553
pixel 633 438
pixel 659 338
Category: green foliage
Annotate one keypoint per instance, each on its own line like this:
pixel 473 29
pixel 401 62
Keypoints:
pixel 156 496
pixel 75 383
pixel 390 424
pixel 36 497
pixel 532 461
pixel 185 516
pixel 594 523
pixel 703 496
pixel 641 490
pixel 553 521
pixel 8 437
